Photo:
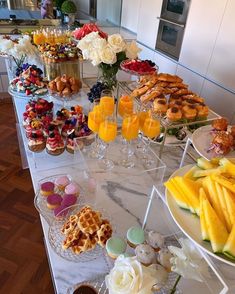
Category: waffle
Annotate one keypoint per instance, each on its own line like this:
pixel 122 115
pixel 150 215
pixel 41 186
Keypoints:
pixel 104 233
pixel 71 238
pixel 70 225
pixel 89 221
pixel 81 245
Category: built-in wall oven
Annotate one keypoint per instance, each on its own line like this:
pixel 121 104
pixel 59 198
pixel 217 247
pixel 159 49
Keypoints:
pixel 171 27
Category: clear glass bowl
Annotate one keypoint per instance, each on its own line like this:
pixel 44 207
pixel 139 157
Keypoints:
pixel 137 73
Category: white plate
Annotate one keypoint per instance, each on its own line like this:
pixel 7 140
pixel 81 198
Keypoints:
pixel 202 139
pixel 189 223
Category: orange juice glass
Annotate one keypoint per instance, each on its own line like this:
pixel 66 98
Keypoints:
pixel 107 105
pixel 108 131
pixel 130 127
pixel 94 120
pixel 151 127
pixel 38 38
pixel 125 106
pixel 142 116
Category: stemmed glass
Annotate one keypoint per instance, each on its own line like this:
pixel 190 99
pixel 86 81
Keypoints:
pixel 107 102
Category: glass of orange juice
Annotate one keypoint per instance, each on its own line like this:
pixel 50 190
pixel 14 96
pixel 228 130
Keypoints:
pixel 107 102
pixel 38 37
pixel 130 131
pixel 108 133
pixel 125 105
pixel 95 117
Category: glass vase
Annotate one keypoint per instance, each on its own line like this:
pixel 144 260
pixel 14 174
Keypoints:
pixel 107 74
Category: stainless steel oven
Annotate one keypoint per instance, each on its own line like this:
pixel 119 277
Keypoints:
pixel 171 27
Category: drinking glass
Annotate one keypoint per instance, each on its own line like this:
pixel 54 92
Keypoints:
pixel 130 130
pixel 38 37
pixel 125 105
pixel 107 133
pixel 107 102
pixel 95 117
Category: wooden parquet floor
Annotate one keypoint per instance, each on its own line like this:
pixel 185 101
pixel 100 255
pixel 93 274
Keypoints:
pixel 23 261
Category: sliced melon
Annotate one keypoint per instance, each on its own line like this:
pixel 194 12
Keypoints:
pixel 224 182
pixel 204 229
pixel 223 206
pixel 217 231
pixel 189 174
pixel 204 163
pixel 214 199
pixel 208 172
pixel 228 165
pixel 230 203
pixel 190 190
pixel 215 160
pixel 179 197
pixel 229 247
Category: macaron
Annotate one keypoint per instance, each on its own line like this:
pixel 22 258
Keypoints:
pixel 135 236
pixel 47 188
pixel 145 254
pixel 53 201
pixel 155 240
pixel 69 199
pixel 62 182
pixel 115 246
pixel 72 188
pixel 61 211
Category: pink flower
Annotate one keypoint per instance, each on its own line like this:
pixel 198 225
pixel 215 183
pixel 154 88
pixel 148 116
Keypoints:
pixel 87 29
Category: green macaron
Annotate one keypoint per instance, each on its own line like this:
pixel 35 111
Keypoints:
pixel 135 236
pixel 115 246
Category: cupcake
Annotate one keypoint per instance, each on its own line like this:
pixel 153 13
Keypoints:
pixel 155 240
pixel 47 188
pixel 70 142
pixel 55 144
pixel 135 236
pixel 115 246
pixel 72 188
pixel 61 183
pixel 145 254
pixel 37 142
pixel 164 257
pixel 69 199
pixel 54 201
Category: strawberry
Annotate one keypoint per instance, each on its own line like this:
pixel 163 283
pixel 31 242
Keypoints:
pixel 28 92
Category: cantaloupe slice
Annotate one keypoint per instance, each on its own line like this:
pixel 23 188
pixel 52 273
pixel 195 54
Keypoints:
pixel 223 181
pixel 223 206
pixel 214 199
pixel 178 196
pixel 217 231
pixel 204 229
pixel 191 190
pixel 230 203
pixel 229 247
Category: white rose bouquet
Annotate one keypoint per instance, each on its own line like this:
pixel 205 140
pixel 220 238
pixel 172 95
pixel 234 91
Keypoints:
pixel 107 52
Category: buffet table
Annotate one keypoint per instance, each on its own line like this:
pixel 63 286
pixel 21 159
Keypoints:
pixel 124 197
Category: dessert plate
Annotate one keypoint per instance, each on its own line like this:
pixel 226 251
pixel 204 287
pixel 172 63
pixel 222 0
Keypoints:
pixel 23 94
pixel 202 139
pixel 190 224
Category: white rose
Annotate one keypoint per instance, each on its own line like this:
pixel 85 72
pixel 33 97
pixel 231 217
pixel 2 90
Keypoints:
pixel 116 42
pixel 132 50
pixel 94 57
pixel 87 41
pixel 107 55
pixel 99 43
pixel 130 276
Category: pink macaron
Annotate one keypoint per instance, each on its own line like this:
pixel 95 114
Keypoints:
pixel 69 199
pixel 62 182
pixel 47 188
pixel 61 211
pixel 54 201
pixel 72 188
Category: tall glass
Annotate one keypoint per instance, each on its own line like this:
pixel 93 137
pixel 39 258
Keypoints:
pixel 130 130
pixel 107 102
pixel 125 105
pixel 107 133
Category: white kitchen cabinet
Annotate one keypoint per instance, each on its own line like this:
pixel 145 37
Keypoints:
pixel 219 99
pixel 148 22
pixel 194 80
pixel 201 30
pixel 165 64
pixel 130 14
pixel 222 64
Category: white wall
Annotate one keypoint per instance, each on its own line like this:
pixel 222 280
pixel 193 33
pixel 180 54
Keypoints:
pixel 130 14
pixel 109 10
pixel 83 5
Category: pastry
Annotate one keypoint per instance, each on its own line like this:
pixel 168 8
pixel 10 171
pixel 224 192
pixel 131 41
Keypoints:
pixel 202 110
pixel 115 246
pixel 189 102
pixel 160 106
pixel 54 201
pixel 72 188
pixel 85 289
pixel 139 91
pixel 177 103
pixel 55 144
pixel 174 113
pixel 37 142
pixel 70 146
pixel 151 94
pixel 222 143
pixel 161 276
pixel 155 240
pixel 47 188
pixel 232 132
pixel 145 254
pixel 220 124
pixel 61 183
pixel 164 257
pixel 135 236
pixel 189 112
pixel 68 126
pixel 169 78
pixel 64 86
pixel 174 98
pixel 89 222
pixel 69 199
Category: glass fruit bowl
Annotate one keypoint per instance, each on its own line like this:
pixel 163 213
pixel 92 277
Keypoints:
pixel 141 71
pixel 68 241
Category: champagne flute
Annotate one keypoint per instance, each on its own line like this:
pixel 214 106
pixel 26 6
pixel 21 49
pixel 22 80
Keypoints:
pixel 107 102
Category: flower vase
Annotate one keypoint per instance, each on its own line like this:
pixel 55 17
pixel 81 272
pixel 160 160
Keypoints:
pixel 107 74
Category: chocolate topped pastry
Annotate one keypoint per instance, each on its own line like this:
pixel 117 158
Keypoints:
pixel 174 113
pixel 85 289
pixel 174 109
pixel 160 106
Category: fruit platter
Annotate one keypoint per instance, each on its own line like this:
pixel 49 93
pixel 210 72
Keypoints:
pixel 201 200
pixel 139 67
pixel 29 81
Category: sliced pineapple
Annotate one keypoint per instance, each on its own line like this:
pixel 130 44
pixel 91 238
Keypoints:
pixel 204 229
pixel 229 247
